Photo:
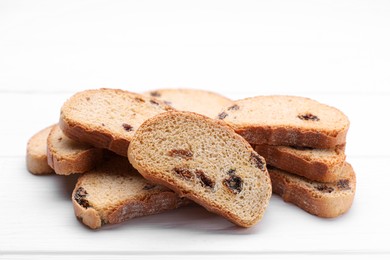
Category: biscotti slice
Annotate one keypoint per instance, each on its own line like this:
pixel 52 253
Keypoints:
pixel 193 100
pixel 204 160
pixel 287 121
pixel 36 155
pixel 323 199
pixel 67 156
pixel 107 118
pixel 115 192
pixel 324 165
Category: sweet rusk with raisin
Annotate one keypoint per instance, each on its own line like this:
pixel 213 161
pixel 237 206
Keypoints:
pixel 323 199
pixel 67 156
pixel 203 160
pixel 287 121
pixel 114 192
pixel 107 118
pixel 323 165
pixel 200 101
pixel 36 153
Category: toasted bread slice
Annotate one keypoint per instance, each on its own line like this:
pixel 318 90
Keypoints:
pixel 36 154
pixel 204 160
pixel 67 156
pixel 115 192
pixel 287 121
pixel 323 199
pixel 107 118
pixel 323 165
pixel 193 100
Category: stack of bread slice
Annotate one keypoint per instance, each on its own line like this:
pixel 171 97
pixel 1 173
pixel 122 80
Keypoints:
pixel 94 138
pixel 142 154
pixel 303 143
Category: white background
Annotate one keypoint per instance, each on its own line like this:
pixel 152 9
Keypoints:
pixel 336 52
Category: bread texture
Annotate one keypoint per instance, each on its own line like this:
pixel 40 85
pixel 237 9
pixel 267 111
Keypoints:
pixel 107 118
pixel 67 156
pixel 36 155
pixel 287 121
pixel 193 100
pixel 204 160
pixel 323 165
pixel 323 199
pixel 115 192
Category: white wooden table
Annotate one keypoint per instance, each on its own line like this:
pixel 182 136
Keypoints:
pixel 334 52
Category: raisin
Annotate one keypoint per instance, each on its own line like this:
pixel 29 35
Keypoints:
pixel 222 115
pixel 206 181
pixel 60 139
pixel 324 188
pixel 343 184
pixel 231 172
pixel 308 116
pixel 185 154
pixel 259 162
pixel 154 102
pixel 140 99
pixel 234 184
pixel 149 186
pixel 186 173
pixel 234 107
pixel 88 98
pixel 155 94
pixel 127 127
pixel 103 124
pixel 80 196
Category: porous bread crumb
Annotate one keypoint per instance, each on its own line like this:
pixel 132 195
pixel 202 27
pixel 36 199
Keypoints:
pixel 216 150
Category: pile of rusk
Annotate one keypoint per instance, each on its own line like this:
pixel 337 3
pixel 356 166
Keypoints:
pixel 142 154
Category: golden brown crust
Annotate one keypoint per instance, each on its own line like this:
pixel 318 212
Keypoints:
pixel 83 162
pixel 36 157
pixel 291 160
pixel 302 193
pixel 98 138
pixel 81 159
pixel 292 137
pixel 147 205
